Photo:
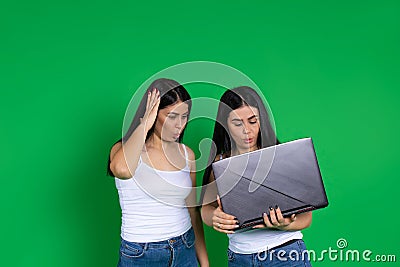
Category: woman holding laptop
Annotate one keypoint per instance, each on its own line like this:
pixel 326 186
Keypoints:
pixel 242 126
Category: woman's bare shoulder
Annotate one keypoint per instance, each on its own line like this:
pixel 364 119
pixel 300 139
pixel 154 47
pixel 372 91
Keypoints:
pixel 117 146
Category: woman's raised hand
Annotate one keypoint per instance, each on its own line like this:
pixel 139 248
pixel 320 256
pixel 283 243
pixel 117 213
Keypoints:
pixel 153 101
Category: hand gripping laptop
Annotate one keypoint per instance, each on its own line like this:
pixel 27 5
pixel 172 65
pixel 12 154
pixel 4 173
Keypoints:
pixel 286 175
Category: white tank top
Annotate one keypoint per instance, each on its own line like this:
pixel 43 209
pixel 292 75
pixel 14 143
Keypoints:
pixel 153 203
pixel 258 240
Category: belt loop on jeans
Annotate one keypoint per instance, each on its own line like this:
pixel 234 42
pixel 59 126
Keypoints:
pixel 183 236
pixel 145 246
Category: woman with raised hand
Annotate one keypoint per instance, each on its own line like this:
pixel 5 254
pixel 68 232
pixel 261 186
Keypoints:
pixel 155 175
pixel 242 126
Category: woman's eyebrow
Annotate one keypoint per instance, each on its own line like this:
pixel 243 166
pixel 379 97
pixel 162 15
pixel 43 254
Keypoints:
pixel 249 118
pixel 175 113
pixel 252 117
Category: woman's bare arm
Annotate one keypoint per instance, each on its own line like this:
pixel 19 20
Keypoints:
pixel 195 216
pixel 125 157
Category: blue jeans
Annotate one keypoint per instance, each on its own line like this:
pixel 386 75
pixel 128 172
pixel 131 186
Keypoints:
pixel 176 251
pixel 294 254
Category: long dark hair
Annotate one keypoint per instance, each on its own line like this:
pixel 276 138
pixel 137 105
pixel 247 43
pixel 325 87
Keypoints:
pixel 170 93
pixel 231 100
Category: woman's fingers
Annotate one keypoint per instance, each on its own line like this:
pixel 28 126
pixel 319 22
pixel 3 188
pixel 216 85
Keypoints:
pixel 258 226
pixel 273 217
pixel 222 222
pixel 276 218
pixel 148 103
pixel 224 226
pixel 219 202
pixel 157 103
pixel 153 102
pixel 156 96
pixel 267 220
pixel 284 221
pixel 219 229
pixel 219 220
pixel 153 98
pixel 279 215
pixel 148 100
pixel 219 213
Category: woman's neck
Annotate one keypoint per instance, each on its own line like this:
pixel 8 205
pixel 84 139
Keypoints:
pixel 156 142
pixel 238 151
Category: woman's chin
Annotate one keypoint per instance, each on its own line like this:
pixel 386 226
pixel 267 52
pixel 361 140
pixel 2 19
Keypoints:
pixel 170 139
pixel 247 146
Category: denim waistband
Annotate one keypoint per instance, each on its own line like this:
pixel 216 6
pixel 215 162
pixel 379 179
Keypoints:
pixel 285 244
pixel 171 242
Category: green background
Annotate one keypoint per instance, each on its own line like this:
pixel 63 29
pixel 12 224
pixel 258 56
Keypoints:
pixel 329 69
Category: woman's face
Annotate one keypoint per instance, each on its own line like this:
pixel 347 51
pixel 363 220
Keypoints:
pixel 171 121
pixel 243 125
